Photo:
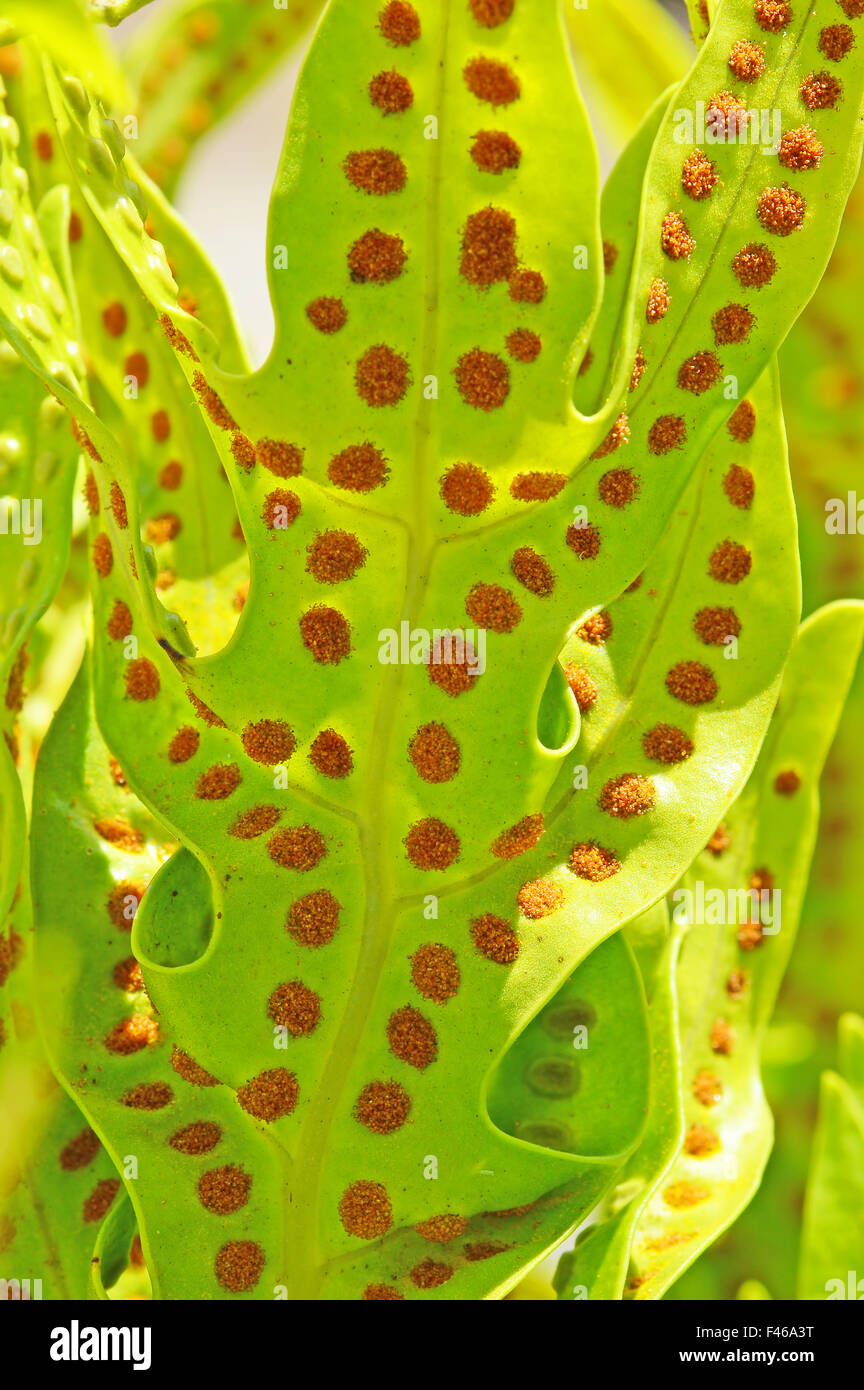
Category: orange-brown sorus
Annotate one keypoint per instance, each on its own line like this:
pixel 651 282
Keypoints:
pixel 451 672
pixel 278 457
pixel 257 821
pixel 120 833
pixel 491 13
pixel 495 939
pixel 115 319
pixel 238 1265
pixel 150 1095
pixel 383 1293
pixel 800 149
pixel 399 23
pixel 442 1229
pixel 141 679
pixel 732 324
pixel 491 81
pixel 658 302
pixel 376 258
pixel 523 345
pixel 742 422
pixel 584 541
pixel 327 313
pixel 163 528
pixel 639 365
pixel 667 432
pixel 160 426
pixel 131 1035
pixel 313 920
pixel 187 1068
pixel 772 15
pixel 707 1088
pixel 483 379
pixel 592 862
pixel 675 239
pixel 383 1107
pixel 739 487
pixel 691 683
pixel 326 634
pixel 382 376
pixel 627 796
pixel 722 1038
pixel 80 1151
pixel 714 625
pixel 120 910
pixel 435 972
pixel 270 1095
pixel 582 684
pixel 91 494
pixel 334 556
pixel 171 475
pixel 269 741
pixel 431 845
pixel 281 509
pixel 466 489
pixel 492 607
pixel 434 753
pixel 820 91
pixel 184 744
pixel 431 1274
pixel 666 744
pixel 365 1210
pixel 330 754
pixel 747 60
pixel 537 487
pixel 494 152
pixel 700 372
pixel 781 210
pixel 201 1137
pixel 754 266
pixel 218 782
pixel 300 847
pixel 685 1194
pixel 539 898
pixel 725 114
pixel 698 176
pixel 737 983
pixel 137 366
pixel 786 783
pixel 359 468
pixel 377 172
pixel 750 935
pixel 100 1199
pixel 729 562
pixel 296 1008
pixel 488 247
pixel 532 571
pixel 527 287
pixel 835 41
pixel 618 435
pixel 103 556
pixel 391 92
pixel 519 838
pixel 127 976
pixel 412 1038
pixel 597 629
pixel 224 1190
pixel 213 404
pixel 699 1141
